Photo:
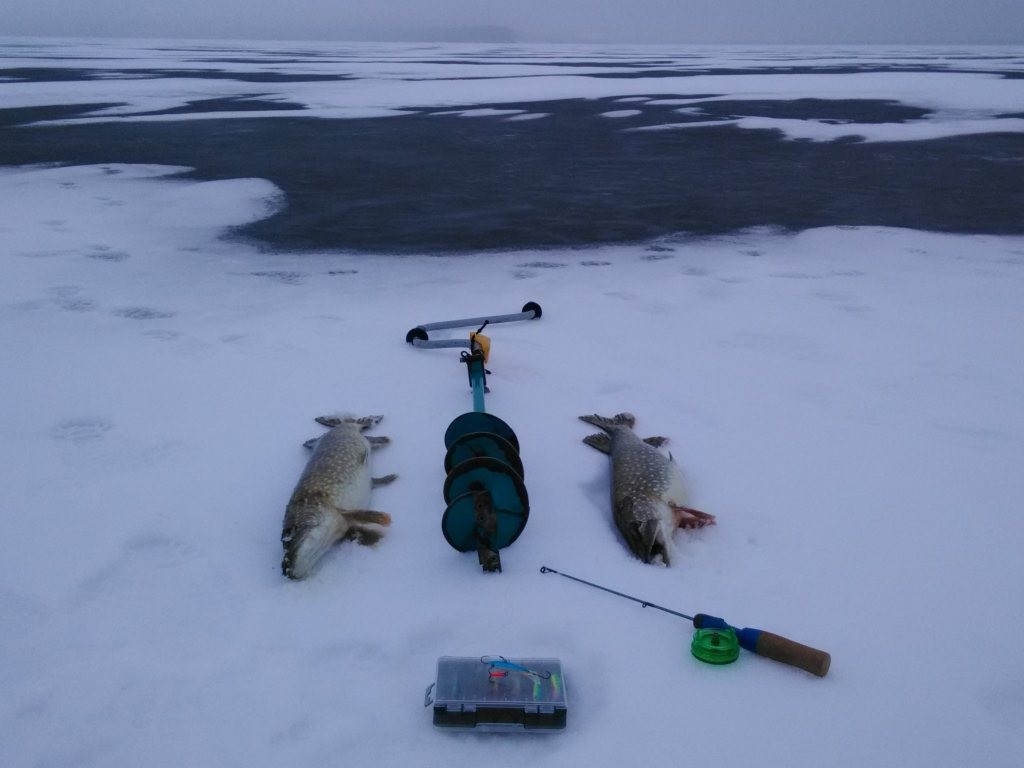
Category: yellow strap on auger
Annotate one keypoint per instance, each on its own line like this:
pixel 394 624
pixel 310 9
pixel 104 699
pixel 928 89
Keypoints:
pixel 479 341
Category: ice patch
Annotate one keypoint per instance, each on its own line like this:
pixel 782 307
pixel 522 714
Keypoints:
pixel 972 87
pixel 678 126
pixel 528 116
pixel 918 130
pixel 483 112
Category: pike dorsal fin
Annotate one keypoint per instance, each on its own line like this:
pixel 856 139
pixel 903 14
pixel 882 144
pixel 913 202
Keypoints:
pixel 379 481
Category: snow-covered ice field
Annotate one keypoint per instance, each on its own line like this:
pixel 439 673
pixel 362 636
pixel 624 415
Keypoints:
pixel 849 402
pixel 970 90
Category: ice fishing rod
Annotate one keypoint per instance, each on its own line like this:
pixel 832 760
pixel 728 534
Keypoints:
pixel 758 641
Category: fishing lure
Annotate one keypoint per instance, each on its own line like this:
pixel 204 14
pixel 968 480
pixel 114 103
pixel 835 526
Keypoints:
pixel 499 667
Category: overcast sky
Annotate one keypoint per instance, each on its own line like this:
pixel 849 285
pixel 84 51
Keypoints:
pixel 634 21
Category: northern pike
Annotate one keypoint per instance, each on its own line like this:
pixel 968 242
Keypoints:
pixel 330 502
pixel 648 494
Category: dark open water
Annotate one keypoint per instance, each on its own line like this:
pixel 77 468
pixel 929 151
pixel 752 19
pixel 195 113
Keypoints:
pixel 434 182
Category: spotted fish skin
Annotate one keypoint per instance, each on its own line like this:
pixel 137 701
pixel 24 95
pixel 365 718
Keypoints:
pixel 648 493
pixel 331 500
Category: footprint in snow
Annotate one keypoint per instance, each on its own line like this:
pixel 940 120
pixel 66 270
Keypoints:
pixel 68 297
pixel 92 443
pixel 162 335
pixel 696 271
pixel 106 253
pixel 77 304
pixel 81 430
pixel 658 254
pixel 282 276
pixel 160 596
pixel 142 313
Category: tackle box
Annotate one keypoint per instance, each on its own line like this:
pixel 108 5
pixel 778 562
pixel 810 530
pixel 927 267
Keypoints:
pixel 494 693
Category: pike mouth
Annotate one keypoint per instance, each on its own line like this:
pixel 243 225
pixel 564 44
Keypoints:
pixel 656 551
pixel 647 540
pixel 304 547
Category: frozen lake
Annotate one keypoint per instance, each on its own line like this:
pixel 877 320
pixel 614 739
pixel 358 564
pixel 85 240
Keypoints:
pixel 805 266
pixel 461 148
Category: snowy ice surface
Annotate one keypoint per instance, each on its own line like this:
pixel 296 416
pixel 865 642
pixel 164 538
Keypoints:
pixel 968 89
pixel 848 401
pixel 820 130
pixel 622 113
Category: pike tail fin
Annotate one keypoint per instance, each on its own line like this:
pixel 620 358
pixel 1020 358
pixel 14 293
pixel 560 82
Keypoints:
pixel 603 422
pixel 363 422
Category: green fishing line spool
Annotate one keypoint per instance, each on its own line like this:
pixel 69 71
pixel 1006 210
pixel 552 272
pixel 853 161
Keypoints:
pixel 715 646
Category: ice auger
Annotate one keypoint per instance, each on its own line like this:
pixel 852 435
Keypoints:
pixel 487 501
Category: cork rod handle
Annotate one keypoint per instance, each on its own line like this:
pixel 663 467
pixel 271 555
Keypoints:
pixel 788 651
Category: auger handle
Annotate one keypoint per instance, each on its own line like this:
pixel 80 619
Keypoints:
pixel 772 646
pixel 419 337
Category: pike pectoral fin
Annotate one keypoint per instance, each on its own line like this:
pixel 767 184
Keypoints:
pixel 365 536
pixel 687 517
pixel 311 443
pixel 377 481
pixel 377 442
pixel 365 517
pixel 657 442
pixel 601 441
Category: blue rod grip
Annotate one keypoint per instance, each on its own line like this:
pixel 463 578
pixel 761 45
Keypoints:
pixel 748 638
